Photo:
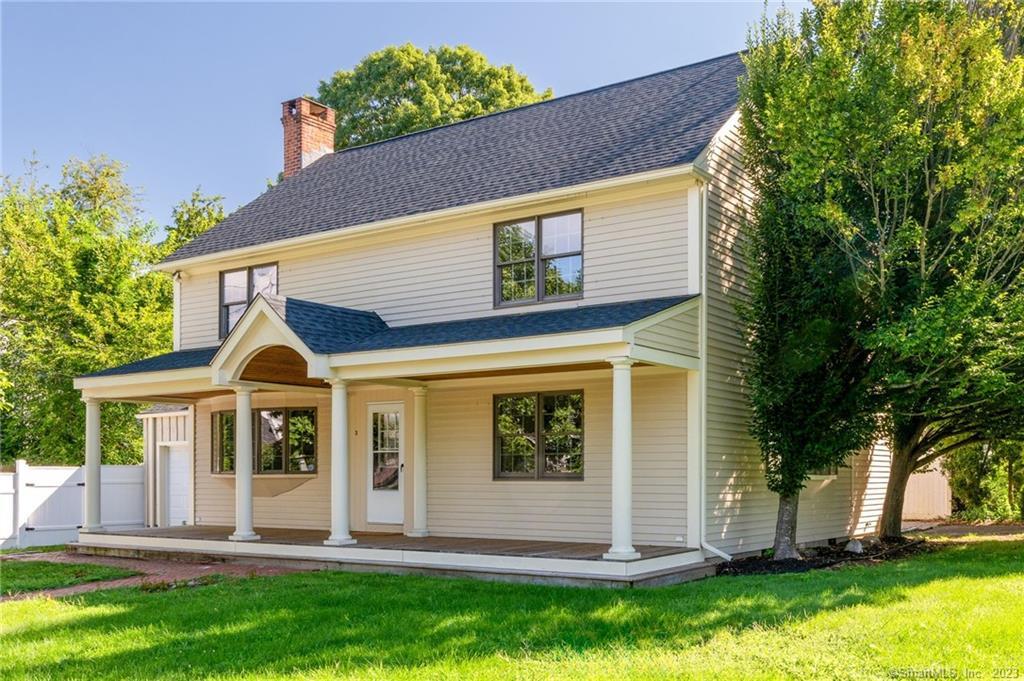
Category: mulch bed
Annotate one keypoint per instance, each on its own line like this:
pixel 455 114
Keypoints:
pixel 824 557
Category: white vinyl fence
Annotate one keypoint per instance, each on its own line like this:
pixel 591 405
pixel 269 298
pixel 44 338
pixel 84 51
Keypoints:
pixel 928 495
pixel 42 505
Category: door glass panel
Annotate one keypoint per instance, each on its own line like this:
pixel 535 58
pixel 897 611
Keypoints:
pixel 270 443
pixel 385 450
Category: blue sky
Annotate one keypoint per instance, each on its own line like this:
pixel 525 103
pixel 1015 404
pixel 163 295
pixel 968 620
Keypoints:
pixel 189 94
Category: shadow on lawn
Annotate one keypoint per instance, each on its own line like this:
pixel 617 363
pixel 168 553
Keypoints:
pixel 347 622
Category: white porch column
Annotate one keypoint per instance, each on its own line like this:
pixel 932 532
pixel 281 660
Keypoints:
pixel 340 535
pixel 419 463
pixel 243 466
pixel 622 460
pixel 92 465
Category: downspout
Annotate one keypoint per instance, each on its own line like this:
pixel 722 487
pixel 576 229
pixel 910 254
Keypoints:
pixel 703 341
pixel 176 309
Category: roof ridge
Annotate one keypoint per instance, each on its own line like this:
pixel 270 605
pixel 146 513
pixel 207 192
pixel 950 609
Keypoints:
pixel 560 98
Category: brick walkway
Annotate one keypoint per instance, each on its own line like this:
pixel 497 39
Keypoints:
pixel 153 571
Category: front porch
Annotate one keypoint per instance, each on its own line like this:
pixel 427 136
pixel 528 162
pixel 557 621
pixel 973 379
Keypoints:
pixel 414 454
pixel 563 562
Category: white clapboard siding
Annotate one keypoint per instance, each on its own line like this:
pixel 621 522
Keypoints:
pixel 632 248
pixel 871 477
pixel 463 499
pixel 276 502
pixel 741 510
pixel 675 334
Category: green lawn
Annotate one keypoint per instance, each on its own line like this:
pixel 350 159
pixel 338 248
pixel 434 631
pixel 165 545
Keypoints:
pixel 17 576
pixel 961 608
pixel 33 549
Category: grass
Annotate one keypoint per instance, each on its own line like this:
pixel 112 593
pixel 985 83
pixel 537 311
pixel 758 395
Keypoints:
pixel 959 608
pixel 33 549
pixel 19 576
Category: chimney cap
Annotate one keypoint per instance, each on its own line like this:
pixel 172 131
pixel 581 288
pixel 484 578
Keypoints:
pixel 315 108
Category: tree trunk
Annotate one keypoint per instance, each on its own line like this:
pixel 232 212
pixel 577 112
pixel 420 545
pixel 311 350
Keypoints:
pixel 903 459
pixel 785 528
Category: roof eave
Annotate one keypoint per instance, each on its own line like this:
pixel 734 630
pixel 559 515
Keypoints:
pixel 680 170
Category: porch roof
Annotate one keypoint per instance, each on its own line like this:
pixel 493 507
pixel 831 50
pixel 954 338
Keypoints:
pixel 328 329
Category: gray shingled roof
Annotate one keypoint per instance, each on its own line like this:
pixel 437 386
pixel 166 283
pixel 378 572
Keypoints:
pixel 179 359
pixel 322 328
pixel 498 327
pixel 648 123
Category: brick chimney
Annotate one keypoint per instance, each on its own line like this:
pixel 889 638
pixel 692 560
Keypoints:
pixel 308 133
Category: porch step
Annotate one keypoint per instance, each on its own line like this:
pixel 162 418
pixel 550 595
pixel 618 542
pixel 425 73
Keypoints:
pixel 664 577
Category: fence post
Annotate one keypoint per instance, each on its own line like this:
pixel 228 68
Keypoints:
pixel 20 475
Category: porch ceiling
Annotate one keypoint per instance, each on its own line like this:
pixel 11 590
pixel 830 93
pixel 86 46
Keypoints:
pixel 280 364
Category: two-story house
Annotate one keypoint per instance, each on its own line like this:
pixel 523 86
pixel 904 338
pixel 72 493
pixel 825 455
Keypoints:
pixel 507 345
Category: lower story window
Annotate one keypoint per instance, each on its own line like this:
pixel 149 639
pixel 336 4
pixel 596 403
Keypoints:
pixel 224 442
pixel 284 441
pixel 539 435
pixel 826 471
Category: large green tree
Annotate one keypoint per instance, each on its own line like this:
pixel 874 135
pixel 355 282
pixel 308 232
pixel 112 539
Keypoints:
pixel 77 295
pixel 907 121
pixel 807 370
pixel 402 89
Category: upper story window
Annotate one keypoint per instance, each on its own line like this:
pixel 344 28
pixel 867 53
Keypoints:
pixel 538 259
pixel 239 287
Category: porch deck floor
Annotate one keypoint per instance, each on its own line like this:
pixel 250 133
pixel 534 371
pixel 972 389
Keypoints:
pixel 372 540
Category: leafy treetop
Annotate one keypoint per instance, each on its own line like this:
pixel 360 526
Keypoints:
pixel 402 89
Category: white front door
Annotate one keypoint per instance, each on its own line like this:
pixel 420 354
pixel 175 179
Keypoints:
pixel 385 461
pixel 177 489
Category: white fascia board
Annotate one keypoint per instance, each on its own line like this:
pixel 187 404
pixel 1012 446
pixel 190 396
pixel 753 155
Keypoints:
pixel 447 213
pixel 539 357
pixel 477 348
pixel 144 380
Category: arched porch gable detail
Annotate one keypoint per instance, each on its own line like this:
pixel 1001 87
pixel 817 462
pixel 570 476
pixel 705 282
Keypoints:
pixel 261 327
